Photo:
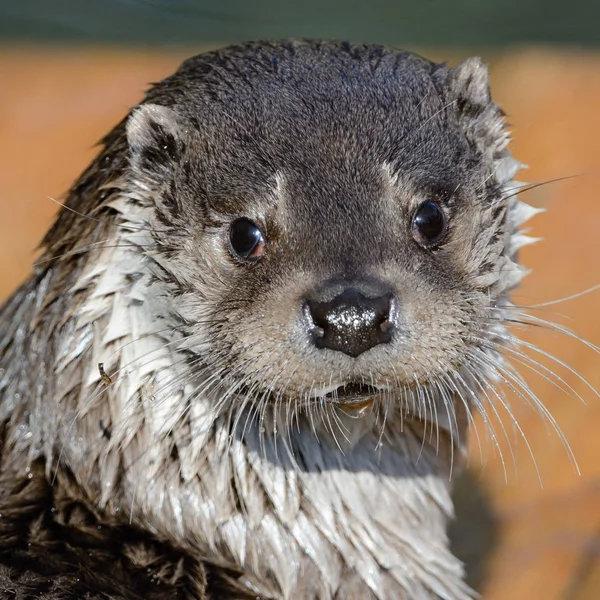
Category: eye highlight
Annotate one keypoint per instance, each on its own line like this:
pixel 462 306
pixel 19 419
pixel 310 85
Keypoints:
pixel 246 239
pixel 429 224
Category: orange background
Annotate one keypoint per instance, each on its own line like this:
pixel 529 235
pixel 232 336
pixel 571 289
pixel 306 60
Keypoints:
pixel 56 103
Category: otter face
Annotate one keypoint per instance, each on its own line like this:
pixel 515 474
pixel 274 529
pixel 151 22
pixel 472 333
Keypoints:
pixel 334 231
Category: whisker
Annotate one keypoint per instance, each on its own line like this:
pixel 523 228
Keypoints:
pixel 80 250
pixel 479 407
pixel 561 329
pixel 525 187
pixel 567 298
pixel 114 221
pixel 533 365
pixel 518 342
pixel 447 402
pixel 477 377
pixel 481 358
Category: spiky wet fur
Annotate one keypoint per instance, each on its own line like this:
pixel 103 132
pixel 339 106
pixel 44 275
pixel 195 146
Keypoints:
pixel 208 441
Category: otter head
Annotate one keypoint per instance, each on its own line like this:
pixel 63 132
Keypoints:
pixel 334 227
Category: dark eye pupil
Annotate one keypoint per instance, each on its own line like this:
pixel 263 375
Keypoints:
pixel 244 236
pixel 429 222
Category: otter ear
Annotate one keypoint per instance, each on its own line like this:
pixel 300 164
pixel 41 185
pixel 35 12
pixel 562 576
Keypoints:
pixel 470 84
pixel 481 120
pixel 156 140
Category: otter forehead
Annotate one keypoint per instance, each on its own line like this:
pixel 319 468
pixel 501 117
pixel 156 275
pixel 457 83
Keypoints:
pixel 329 116
pixel 326 138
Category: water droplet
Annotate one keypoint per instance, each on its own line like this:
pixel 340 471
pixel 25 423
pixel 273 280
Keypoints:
pixel 361 412
pixel 27 470
pixel 30 476
pixel 17 396
pixel 107 484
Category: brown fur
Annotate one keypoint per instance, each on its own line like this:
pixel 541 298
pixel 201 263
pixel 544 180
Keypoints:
pixel 55 546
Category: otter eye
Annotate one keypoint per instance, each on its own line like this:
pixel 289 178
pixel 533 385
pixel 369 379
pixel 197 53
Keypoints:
pixel 246 239
pixel 428 224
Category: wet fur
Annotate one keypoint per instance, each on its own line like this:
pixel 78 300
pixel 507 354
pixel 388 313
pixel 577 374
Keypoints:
pixel 205 463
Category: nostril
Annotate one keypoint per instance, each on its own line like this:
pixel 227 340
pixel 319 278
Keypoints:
pixel 385 324
pixel 316 328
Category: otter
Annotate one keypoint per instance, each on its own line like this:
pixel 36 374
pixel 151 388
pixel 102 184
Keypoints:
pixel 246 363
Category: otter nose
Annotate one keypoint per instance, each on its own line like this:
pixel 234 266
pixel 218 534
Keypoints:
pixel 351 323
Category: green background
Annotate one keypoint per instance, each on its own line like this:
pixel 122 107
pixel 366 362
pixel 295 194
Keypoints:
pixel 453 22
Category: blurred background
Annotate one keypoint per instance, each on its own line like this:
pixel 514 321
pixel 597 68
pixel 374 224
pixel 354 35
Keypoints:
pixel 69 70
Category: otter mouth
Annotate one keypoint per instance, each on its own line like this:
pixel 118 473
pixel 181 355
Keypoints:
pixel 354 394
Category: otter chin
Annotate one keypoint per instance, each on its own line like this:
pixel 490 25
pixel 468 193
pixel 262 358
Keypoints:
pixel 292 261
